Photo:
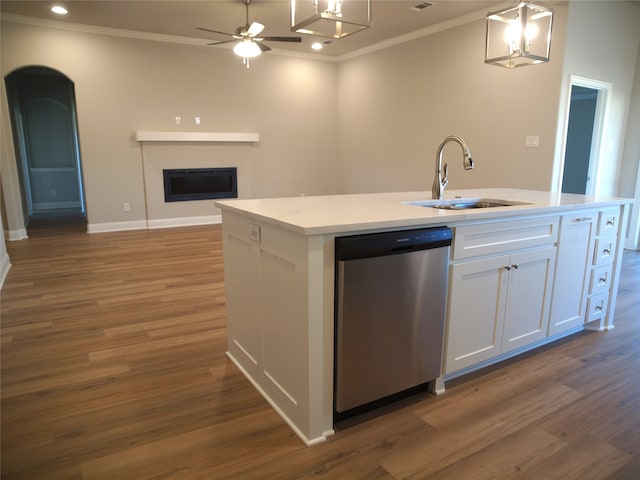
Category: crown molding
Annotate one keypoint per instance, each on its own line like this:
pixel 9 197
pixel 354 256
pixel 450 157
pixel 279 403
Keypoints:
pixel 423 32
pixel 158 37
pixel 134 34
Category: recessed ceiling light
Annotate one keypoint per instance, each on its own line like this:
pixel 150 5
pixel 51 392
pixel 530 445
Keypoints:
pixel 316 46
pixel 59 10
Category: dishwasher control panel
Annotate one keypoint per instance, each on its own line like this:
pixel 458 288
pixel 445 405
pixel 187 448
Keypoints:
pixel 389 243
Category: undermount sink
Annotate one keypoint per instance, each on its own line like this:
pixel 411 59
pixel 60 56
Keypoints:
pixel 464 203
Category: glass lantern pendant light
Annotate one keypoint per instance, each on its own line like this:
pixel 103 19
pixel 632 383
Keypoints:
pixel 519 35
pixel 330 18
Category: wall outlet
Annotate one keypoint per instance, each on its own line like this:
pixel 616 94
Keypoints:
pixel 254 232
pixel 197 119
pixel 126 207
pixel 178 120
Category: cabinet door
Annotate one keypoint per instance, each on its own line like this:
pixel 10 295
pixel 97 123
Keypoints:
pixel 528 298
pixel 575 250
pixel 475 311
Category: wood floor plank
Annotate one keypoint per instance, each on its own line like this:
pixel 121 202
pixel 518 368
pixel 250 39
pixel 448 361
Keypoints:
pixel 587 459
pixel 465 437
pixel 586 416
pixel 216 446
pixel 166 343
pixel 52 381
pixel 511 455
pixel 353 453
pixel 113 365
pixel 486 391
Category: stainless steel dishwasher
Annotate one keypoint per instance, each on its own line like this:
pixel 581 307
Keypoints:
pixel 390 311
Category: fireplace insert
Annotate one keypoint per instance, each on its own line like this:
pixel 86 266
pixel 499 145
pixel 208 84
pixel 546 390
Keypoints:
pixel 185 184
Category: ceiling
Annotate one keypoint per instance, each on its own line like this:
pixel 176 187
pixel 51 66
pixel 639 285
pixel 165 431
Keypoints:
pixel 390 19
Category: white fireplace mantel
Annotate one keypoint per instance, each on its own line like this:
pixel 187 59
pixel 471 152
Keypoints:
pixel 197 137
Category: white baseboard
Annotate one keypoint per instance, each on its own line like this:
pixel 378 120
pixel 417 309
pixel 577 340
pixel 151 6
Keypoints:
pixel 56 205
pixel 184 221
pixel 19 234
pixel 116 226
pixel 152 224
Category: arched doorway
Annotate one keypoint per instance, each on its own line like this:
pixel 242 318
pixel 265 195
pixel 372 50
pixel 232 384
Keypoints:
pixel 43 117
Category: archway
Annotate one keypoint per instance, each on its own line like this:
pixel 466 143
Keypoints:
pixel 45 134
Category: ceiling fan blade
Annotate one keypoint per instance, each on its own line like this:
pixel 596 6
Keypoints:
pixel 263 47
pixel 215 31
pixel 254 29
pixel 221 42
pixel 283 39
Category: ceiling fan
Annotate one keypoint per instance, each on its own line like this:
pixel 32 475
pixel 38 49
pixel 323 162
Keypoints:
pixel 249 42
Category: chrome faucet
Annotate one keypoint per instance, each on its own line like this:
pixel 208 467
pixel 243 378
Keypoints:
pixel 441 179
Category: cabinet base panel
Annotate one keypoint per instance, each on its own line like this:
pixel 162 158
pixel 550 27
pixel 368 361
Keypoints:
pixel 307 441
pixel 511 354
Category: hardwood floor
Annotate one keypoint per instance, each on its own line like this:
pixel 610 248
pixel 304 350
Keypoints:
pixel 114 367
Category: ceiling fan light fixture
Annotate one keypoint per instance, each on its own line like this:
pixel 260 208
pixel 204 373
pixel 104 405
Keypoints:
pixel 247 48
pixel 519 35
pixel 330 18
pixel 59 10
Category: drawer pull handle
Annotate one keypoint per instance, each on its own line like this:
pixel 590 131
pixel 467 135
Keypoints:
pixel 583 219
pixel 515 265
pixel 598 308
pixel 507 267
pixel 606 251
pixel 610 223
pixel 602 280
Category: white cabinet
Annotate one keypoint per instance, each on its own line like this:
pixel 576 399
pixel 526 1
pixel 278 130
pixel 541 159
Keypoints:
pixel 603 269
pixel 476 311
pixel 529 298
pixel 575 251
pixel 499 303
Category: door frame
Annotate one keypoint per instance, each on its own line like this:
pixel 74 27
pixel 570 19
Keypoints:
pixel 599 130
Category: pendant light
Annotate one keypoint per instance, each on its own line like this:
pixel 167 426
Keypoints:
pixel 330 18
pixel 519 35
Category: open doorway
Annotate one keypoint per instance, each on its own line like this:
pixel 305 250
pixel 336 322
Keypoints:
pixel 584 133
pixel 43 117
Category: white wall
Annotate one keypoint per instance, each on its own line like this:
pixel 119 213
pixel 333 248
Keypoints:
pixel 123 85
pixel 397 104
pixel 371 123
pixel 631 162
pixel 608 56
pixel 13 215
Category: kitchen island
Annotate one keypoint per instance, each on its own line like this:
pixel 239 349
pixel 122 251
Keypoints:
pixel 558 254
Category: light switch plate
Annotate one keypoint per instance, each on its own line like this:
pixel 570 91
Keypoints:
pixel 532 141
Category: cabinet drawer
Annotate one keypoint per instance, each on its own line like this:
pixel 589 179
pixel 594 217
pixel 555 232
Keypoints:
pixel 605 250
pixel 608 222
pixel 597 307
pixel 600 279
pixel 498 237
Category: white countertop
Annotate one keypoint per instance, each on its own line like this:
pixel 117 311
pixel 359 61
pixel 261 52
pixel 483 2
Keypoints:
pixel 359 212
